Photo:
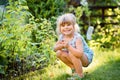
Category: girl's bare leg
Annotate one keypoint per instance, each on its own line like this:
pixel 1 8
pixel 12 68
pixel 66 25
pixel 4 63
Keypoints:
pixel 77 64
pixel 84 60
pixel 73 62
pixel 65 58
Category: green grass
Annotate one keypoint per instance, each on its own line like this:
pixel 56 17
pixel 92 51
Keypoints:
pixel 105 66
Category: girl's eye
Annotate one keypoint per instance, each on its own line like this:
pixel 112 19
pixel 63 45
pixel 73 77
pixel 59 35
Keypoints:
pixel 62 25
pixel 68 24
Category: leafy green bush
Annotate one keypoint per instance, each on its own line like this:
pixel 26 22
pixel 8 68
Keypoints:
pixel 15 44
pixel 25 43
pixel 106 37
pixel 43 37
pixel 14 39
pixel 104 3
pixel 45 8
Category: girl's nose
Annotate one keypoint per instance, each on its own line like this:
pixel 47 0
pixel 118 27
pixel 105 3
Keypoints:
pixel 66 26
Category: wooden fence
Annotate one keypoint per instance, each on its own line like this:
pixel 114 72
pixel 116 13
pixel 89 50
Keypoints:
pixel 103 16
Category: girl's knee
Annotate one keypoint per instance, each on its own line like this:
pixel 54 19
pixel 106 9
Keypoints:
pixel 58 53
pixel 74 58
pixel 64 55
pixel 61 54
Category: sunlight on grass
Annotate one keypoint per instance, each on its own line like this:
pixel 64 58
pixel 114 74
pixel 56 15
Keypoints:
pixel 56 72
pixel 105 66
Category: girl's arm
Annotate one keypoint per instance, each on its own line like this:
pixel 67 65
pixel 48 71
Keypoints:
pixel 58 46
pixel 78 51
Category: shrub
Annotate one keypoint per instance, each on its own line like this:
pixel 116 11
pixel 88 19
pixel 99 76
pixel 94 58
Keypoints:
pixel 25 43
pixel 46 8
pixel 106 37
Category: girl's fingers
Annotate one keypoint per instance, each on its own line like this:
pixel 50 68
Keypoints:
pixel 65 44
pixel 59 42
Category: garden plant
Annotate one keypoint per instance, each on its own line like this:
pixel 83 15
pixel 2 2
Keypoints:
pixel 27 37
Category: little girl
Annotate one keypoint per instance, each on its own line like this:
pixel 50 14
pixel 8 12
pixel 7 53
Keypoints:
pixel 71 48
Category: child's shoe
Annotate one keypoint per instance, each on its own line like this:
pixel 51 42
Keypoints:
pixel 77 77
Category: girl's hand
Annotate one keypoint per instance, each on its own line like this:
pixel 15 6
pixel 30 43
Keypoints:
pixel 65 44
pixel 58 46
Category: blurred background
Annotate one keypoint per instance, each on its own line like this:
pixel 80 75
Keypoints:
pixel 27 37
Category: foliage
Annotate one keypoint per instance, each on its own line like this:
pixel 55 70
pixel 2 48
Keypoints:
pixel 104 3
pixel 43 38
pixel 45 8
pixel 106 37
pixel 25 43
pixel 107 62
pixel 3 2
pixel 13 39
pixel 27 34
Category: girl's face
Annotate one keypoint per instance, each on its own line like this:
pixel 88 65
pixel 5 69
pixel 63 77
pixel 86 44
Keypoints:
pixel 67 28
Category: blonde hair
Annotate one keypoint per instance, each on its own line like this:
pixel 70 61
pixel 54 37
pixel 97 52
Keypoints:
pixel 68 17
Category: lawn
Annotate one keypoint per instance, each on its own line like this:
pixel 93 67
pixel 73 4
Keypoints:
pixel 105 66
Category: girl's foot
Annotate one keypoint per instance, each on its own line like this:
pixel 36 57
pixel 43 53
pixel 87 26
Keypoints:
pixel 71 78
pixel 77 77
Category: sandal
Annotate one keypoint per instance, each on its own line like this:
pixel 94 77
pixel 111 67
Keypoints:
pixel 77 77
pixel 71 78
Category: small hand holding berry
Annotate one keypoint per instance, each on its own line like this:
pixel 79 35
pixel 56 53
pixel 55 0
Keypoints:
pixel 65 44
pixel 59 45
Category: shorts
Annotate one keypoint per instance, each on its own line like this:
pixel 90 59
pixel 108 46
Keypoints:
pixel 89 56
